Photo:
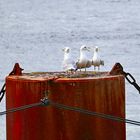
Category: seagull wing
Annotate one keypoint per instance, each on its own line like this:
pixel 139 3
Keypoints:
pixel 68 64
pixel 89 63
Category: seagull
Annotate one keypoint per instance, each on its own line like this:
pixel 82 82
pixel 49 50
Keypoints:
pixel 96 61
pixel 68 64
pixel 83 61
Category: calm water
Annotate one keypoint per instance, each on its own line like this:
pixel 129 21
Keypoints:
pixel 33 32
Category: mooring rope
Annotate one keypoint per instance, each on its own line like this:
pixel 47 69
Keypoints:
pixel 12 110
pixel 46 102
pixel 91 113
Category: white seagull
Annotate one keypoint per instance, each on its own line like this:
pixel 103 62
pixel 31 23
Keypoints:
pixel 83 61
pixel 68 64
pixel 96 61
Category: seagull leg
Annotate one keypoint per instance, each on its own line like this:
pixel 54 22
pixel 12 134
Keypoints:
pixel 95 69
pixel 67 72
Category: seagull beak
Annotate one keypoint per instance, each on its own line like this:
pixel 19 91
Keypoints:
pixel 88 48
pixel 91 48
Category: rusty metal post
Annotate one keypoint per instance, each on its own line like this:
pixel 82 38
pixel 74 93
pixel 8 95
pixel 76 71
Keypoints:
pixel 100 94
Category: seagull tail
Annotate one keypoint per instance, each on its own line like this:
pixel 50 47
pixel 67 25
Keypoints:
pixel 102 62
pixel 76 69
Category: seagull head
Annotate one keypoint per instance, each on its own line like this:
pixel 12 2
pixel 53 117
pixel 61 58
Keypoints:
pixel 66 50
pixel 84 48
pixel 96 49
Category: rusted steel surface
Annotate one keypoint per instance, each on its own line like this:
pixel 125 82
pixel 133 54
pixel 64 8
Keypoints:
pixel 117 69
pixel 101 94
pixel 17 70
